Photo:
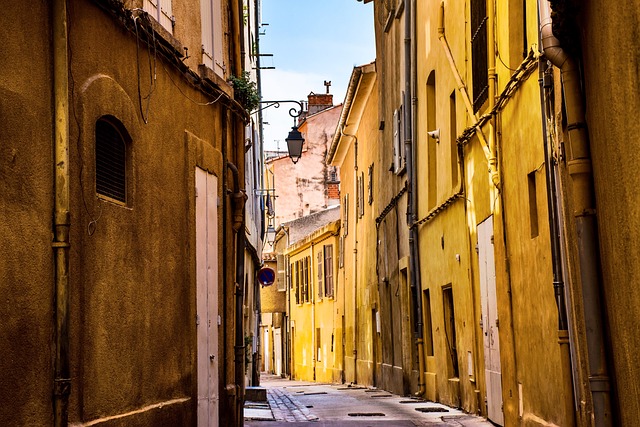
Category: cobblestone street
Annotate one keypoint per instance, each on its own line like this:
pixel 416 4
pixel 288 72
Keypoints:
pixel 296 403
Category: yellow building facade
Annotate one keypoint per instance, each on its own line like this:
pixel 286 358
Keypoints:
pixel 316 307
pixel 487 284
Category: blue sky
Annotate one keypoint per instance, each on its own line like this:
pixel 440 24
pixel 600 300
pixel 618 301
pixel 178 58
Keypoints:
pixel 312 41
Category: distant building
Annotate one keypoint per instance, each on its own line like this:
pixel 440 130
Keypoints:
pixel 309 185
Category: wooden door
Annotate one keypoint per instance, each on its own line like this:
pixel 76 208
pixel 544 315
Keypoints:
pixel 207 297
pixel 493 375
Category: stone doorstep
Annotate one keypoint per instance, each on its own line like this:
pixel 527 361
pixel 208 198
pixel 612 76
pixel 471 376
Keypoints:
pixel 256 394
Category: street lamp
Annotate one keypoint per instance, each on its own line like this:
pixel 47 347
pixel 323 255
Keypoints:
pixel 295 139
pixel 294 144
pixel 270 235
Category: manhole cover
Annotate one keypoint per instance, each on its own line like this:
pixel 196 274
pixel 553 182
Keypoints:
pixel 366 414
pixel 431 409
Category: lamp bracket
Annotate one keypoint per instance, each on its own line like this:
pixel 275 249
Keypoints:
pixel 293 112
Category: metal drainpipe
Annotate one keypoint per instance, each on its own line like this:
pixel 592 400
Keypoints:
pixel 493 146
pixel 259 87
pixel 314 356
pixel 546 82
pixel 62 216
pixel 238 46
pixel 579 168
pixel 355 258
pixel 238 198
pixel 462 88
pixel 410 73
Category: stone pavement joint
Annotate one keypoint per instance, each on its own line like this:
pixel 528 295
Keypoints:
pixel 285 407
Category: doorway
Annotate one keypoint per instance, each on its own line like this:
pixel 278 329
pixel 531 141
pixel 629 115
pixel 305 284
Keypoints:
pixel 207 297
pixel 488 302
pixel 277 351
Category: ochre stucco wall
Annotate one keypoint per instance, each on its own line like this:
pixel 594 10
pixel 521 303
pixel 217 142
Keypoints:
pixel 132 267
pixel 611 44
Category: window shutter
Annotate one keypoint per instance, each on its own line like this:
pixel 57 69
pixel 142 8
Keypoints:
pixel 206 18
pixel 281 277
pixel 296 269
pixel 151 7
pixel 161 11
pixel 370 184
pixel 361 195
pixel 479 58
pixel 328 269
pixel 320 274
pixel 345 215
pixel 166 15
pixel 111 153
pixel 218 34
pixel 305 278
pixel 396 142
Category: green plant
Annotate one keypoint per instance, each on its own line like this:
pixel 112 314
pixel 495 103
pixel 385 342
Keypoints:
pixel 245 91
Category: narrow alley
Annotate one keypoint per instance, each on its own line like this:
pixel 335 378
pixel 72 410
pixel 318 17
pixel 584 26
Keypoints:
pixel 298 403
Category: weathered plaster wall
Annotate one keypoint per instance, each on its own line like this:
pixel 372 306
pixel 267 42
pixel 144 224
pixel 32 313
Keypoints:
pixel 301 188
pixel 26 207
pixel 611 43
pixel 132 267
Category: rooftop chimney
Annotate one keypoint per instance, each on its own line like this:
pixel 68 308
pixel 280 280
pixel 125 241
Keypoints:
pixel 320 102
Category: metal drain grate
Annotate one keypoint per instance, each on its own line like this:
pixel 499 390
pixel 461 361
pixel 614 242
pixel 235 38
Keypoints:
pixel 413 401
pixel 431 409
pixel 366 414
pixel 381 395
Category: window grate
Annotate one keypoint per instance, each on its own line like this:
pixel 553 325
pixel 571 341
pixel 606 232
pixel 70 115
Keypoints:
pixel 111 177
pixel 479 53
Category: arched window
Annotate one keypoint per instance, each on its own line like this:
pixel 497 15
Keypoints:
pixel 111 160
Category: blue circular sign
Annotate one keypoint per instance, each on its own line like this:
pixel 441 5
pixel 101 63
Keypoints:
pixel 266 276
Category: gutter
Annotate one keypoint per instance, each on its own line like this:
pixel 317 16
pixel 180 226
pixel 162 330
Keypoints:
pixel 354 82
pixel 62 216
pixel 580 171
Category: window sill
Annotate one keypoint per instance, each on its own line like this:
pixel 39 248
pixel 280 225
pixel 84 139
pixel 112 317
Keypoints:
pixel 163 35
pixel 210 76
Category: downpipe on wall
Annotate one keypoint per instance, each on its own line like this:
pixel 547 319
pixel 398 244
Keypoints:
pixel 580 172
pixel 62 216
pixel 410 100
pixel 238 199
pixel 355 258
pixel 546 82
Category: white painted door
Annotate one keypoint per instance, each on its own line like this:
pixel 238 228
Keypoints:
pixel 267 356
pixel 488 302
pixel 277 351
pixel 207 296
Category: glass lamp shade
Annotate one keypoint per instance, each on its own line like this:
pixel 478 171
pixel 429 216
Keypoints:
pixel 294 144
pixel 270 235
